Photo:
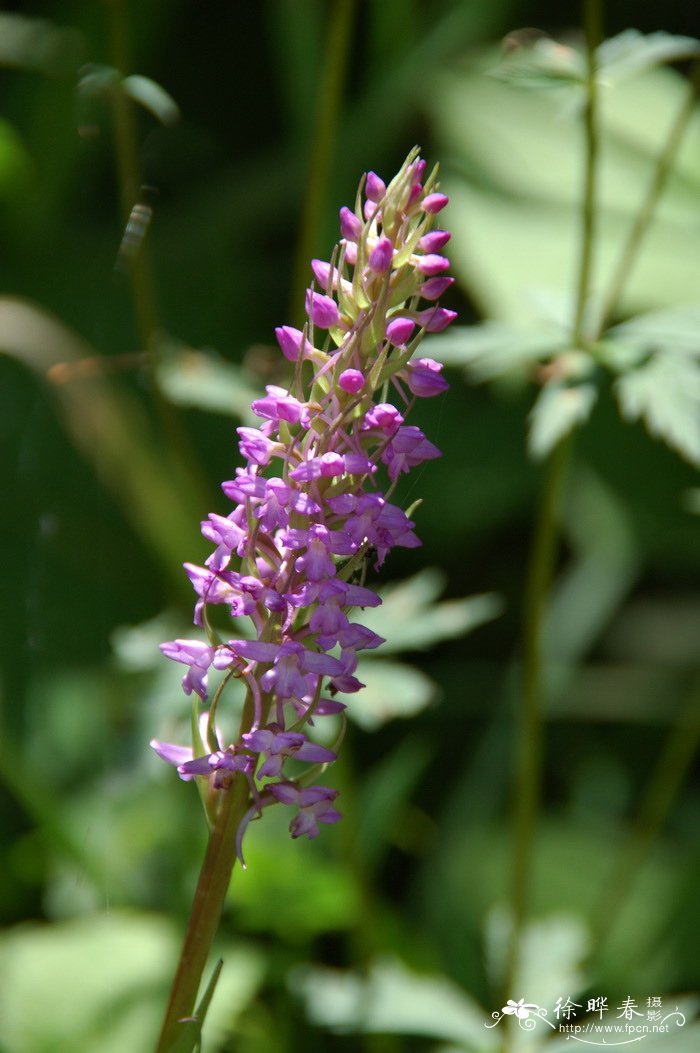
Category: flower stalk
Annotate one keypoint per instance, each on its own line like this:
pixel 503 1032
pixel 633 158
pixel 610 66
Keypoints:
pixel 310 512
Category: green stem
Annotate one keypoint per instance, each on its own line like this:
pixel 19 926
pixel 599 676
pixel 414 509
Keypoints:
pixel 530 732
pixel 642 222
pixel 207 907
pixel 668 776
pixel 337 50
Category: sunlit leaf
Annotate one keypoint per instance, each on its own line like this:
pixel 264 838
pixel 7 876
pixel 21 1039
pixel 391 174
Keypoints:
pixel 153 97
pixel 37 44
pixel 632 52
pixel 665 394
pixel 491 349
pixel 409 619
pixel 559 408
pixel 204 381
pixel 677 328
pixel 392 690
pixel 550 956
pixel 515 189
pixel 396 1001
pixel 103 980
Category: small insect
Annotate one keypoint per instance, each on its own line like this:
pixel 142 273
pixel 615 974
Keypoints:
pixel 136 229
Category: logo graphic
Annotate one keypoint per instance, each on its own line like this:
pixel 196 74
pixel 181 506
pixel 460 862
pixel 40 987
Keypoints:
pixel 628 1024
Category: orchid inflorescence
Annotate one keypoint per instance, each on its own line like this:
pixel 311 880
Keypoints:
pixel 309 511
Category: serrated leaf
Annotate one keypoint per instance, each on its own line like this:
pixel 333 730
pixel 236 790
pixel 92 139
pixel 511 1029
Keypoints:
pixel 665 395
pixel 677 328
pixel 632 52
pixel 558 409
pixel 153 97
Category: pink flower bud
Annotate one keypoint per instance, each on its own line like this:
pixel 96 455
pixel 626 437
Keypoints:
pixel 350 252
pixel 434 203
pixel 322 310
pixel 370 209
pixel 322 272
pixel 350 225
pixel 289 340
pixel 375 188
pixel 399 330
pixel 434 240
pixel 435 287
pixel 432 264
pixel 381 256
pixel 351 380
pixel 435 319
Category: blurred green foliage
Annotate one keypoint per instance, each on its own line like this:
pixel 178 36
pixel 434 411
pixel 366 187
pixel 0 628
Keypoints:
pixel 121 385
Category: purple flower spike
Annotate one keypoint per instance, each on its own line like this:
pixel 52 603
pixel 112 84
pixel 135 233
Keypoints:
pixel 321 309
pixel 381 256
pixel 309 505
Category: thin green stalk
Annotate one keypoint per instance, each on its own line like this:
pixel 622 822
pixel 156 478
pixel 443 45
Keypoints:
pixel 530 731
pixel 207 907
pixel 642 222
pixel 330 91
pixel 670 772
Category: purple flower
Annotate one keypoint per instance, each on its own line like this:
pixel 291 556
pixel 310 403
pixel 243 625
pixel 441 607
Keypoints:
pixel 435 319
pixel 280 405
pixel 381 256
pixel 399 330
pixel 408 448
pixel 198 656
pixel 424 378
pixel 315 804
pixel 351 380
pixel 322 309
pixel 308 505
pixel 434 203
pixel 276 745
pixel 435 287
pixel 350 225
pixel 375 188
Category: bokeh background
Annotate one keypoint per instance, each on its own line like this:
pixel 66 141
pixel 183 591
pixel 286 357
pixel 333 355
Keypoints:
pixel 130 353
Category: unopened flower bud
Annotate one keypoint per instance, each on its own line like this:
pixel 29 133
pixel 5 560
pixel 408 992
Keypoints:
pixel 322 310
pixel 399 331
pixel 351 380
pixel 434 203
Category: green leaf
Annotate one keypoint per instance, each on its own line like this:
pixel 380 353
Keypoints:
pixel 677 328
pixel 557 410
pixel 395 1001
pixel 36 44
pixel 549 958
pixel 665 394
pixel 205 381
pixel 391 690
pixel 410 620
pixel 632 52
pixel 152 97
pixel 492 349
pixel 189 1039
pixel 513 172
